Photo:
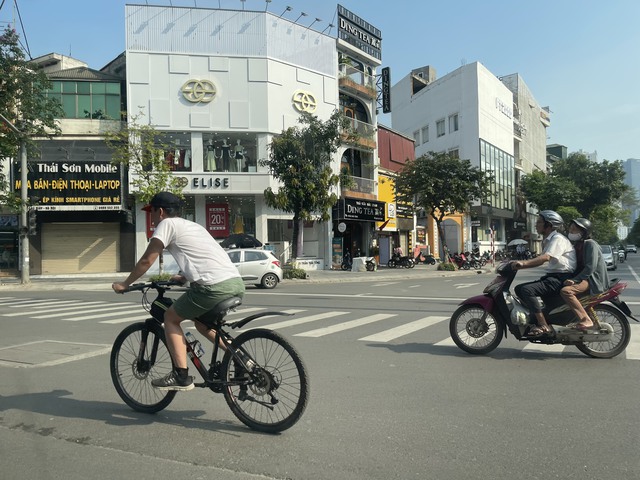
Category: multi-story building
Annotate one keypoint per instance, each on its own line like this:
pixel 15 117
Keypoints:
pixel 471 114
pixel 632 178
pixel 397 230
pixel 83 221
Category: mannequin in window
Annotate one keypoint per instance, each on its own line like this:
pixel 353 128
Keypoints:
pixel 210 158
pixel 226 155
pixel 238 154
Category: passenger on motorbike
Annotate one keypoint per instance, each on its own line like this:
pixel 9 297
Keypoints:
pixel 561 257
pixel 591 275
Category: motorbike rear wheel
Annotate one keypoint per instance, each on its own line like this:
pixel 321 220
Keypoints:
pixel 391 263
pixel 621 334
pixel 474 330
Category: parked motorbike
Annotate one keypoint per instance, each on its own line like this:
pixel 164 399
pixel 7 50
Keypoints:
pixel 480 323
pixel 426 259
pixel 398 260
pixel 347 263
pixel 460 261
pixel 370 264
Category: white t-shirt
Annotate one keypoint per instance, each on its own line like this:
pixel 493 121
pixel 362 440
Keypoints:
pixel 562 253
pixel 200 258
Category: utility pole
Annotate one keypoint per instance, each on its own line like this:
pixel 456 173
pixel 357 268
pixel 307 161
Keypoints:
pixel 24 228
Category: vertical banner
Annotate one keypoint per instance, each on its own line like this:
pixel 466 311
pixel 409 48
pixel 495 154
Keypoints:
pixel 336 253
pixel 218 219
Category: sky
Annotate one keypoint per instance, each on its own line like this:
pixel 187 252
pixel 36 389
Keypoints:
pixel 581 58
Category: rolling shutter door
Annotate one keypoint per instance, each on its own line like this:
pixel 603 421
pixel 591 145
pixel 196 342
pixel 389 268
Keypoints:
pixel 80 248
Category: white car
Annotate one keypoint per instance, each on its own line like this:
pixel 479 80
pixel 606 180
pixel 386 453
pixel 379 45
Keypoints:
pixel 609 258
pixel 259 267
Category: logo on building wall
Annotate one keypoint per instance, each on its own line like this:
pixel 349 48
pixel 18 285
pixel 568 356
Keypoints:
pixel 198 91
pixel 304 101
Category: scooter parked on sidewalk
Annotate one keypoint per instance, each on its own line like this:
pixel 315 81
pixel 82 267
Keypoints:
pixel 480 323
pixel 426 259
pixel 398 260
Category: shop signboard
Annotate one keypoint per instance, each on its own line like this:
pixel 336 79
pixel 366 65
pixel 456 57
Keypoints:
pixel 73 185
pixel 363 210
pixel 336 253
pixel 218 219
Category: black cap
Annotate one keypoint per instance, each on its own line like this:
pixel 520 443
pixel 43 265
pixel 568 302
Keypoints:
pixel 163 200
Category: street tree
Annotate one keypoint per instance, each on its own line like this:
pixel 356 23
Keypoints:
pixel 139 149
pixel 24 104
pixel 300 159
pixel 442 184
pixel 594 189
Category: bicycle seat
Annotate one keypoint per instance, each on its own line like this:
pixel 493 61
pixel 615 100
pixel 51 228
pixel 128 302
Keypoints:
pixel 217 313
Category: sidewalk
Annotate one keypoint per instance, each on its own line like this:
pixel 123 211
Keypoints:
pixel 103 281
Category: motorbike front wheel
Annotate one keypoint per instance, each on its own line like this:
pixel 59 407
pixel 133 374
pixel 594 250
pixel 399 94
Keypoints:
pixel 475 330
pixel 391 263
pixel 620 336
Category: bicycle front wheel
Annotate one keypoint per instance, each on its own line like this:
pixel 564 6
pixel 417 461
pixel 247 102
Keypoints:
pixel 139 355
pixel 274 396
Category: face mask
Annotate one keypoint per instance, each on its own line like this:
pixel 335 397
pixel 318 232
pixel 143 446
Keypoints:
pixel 574 237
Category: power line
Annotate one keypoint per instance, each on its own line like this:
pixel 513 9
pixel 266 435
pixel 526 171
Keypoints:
pixel 24 34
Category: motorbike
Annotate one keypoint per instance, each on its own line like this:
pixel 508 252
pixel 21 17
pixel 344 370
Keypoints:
pixel 347 263
pixel 461 261
pixel 620 256
pixel 370 264
pixel 480 322
pixel 398 260
pixel 426 259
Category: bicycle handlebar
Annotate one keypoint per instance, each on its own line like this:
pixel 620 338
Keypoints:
pixel 158 285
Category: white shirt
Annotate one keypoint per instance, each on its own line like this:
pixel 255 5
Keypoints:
pixel 562 253
pixel 200 258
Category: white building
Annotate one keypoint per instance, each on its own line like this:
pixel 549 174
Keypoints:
pixel 220 84
pixel 469 113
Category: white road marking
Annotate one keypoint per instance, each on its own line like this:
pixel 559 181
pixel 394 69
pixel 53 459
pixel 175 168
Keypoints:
pixel 303 320
pixel 403 330
pixel 320 332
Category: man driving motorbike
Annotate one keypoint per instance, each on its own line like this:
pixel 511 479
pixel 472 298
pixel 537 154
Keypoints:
pixel 591 275
pixel 561 257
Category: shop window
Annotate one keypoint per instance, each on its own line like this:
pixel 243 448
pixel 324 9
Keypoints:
pixel 230 153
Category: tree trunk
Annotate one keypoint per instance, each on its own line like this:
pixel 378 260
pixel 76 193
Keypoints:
pixel 443 250
pixel 296 233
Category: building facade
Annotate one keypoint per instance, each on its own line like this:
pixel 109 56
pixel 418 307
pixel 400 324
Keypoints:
pixel 83 222
pixel 220 84
pixel 473 115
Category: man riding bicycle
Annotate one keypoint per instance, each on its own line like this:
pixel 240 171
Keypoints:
pixel 202 261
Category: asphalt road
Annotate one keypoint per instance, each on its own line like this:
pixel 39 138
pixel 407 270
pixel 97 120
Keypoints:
pixel 391 396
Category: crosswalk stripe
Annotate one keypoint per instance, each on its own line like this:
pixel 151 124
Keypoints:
pixel 6 300
pixel 52 306
pixel 27 303
pixel 633 349
pixel 544 348
pixel 403 330
pixel 320 332
pixel 303 320
pixel 127 319
pixel 61 312
pixel 103 313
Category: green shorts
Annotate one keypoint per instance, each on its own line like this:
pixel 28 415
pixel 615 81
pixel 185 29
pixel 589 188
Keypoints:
pixel 200 299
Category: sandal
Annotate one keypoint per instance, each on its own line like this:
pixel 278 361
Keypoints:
pixel 539 331
pixel 580 327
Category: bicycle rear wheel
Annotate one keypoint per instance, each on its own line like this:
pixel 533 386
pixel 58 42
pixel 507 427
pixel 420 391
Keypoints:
pixel 139 355
pixel 274 396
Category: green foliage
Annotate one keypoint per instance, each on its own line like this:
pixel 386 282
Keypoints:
pixel 448 266
pixel 300 159
pixel 634 234
pixel 24 104
pixel 294 272
pixel 441 184
pixel 162 277
pixel 140 149
pixel 580 187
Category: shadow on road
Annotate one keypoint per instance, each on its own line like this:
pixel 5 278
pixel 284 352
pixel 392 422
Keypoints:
pixel 60 403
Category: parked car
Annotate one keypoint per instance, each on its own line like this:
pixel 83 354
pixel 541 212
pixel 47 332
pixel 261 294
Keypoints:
pixel 631 248
pixel 259 267
pixel 610 257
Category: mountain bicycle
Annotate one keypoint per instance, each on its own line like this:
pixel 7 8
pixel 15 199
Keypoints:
pixel 261 375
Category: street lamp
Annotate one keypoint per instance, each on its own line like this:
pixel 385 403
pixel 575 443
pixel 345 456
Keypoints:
pixel 24 273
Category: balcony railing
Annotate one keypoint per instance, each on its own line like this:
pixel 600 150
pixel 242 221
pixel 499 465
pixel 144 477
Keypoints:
pixel 363 187
pixel 366 134
pixel 357 81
